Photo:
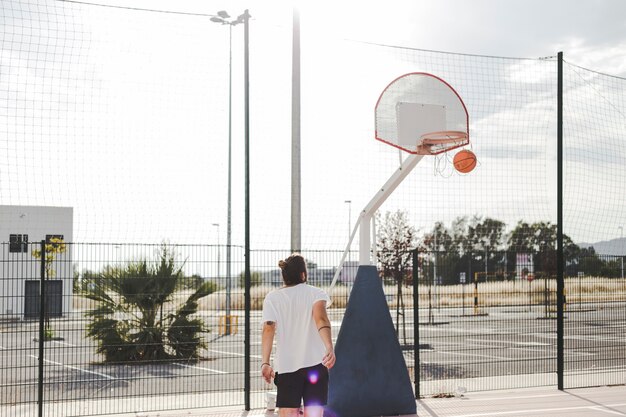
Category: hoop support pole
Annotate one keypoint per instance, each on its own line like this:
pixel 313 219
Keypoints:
pixel 383 193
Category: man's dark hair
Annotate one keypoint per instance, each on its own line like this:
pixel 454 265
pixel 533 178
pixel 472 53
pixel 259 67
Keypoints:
pixel 292 269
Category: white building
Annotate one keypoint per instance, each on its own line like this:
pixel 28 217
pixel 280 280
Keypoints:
pixel 22 228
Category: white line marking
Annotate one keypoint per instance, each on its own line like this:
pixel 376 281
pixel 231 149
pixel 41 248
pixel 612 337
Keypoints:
pixel 543 410
pixel 232 353
pixel 74 368
pixel 518 397
pixel 201 368
pixel 63 343
pixel 476 354
pixel 3 348
pixel 469 339
pixel 602 408
pixel 571 352
pixel 527 349
pixel 531 344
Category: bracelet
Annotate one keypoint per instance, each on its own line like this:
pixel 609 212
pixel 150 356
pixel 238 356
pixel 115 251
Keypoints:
pixel 323 327
pixel 265 363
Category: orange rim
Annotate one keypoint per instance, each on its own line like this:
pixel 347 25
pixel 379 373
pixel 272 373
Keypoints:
pixel 443 137
pixel 434 143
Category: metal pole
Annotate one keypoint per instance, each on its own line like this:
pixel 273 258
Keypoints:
pixel 349 203
pixel 621 237
pixel 42 334
pixel 217 226
pixel 296 232
pixel 416 327
pixel 230 157
pixel 475 293
pixel 560 284
pixel 463 297
pixel 435 270
pixel 221 18
pixel 246 17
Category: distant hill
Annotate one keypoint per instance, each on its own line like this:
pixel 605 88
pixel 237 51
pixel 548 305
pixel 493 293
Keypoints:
pixel 608 247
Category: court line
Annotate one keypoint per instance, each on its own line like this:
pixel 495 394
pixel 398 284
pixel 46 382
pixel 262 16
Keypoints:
pixel 232 353
pixel 476 354
pixel 75 368
pixel 201 368
pixel 531 344
pixel 517 397
pixel 469 339
pixel 603 409
pixel 528 349
pixel 544 410
pixel 63 343
pixel 574 352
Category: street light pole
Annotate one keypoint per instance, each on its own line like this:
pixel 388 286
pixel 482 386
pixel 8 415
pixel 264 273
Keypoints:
pixel 221 18
pixel 296 209
pixel 349 203
pixel 621 242
pixel 217 225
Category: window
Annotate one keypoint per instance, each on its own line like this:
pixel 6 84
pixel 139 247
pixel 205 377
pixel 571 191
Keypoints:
pixel 18 243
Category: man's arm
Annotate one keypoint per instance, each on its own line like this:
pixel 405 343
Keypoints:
pixel 267 339
pixel 323 328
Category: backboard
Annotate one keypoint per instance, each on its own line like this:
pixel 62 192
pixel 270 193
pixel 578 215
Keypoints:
pixel 421 114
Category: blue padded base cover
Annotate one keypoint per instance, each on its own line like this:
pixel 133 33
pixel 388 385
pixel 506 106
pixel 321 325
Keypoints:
pixel 370 377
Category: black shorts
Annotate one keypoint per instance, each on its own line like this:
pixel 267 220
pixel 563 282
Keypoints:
pixel 308 384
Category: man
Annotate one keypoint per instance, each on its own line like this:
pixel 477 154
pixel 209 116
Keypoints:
pixel 296 315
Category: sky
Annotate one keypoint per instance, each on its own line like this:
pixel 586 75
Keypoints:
pixel 590 32
pixel 134 136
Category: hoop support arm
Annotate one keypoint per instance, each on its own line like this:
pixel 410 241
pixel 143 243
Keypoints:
pixel 385 191
pixel 365 218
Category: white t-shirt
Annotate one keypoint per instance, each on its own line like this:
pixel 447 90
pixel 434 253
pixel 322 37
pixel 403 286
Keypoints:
pixel 298 343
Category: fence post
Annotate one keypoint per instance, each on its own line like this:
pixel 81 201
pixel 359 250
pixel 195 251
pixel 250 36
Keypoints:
pixel 416 326
pixel 42 330
pixel 246 32
pixel 560 284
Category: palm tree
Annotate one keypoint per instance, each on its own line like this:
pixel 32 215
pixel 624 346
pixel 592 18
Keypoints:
pixel 54 247
pixel 128 322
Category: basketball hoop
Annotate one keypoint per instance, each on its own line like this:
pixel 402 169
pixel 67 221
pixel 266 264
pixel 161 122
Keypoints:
pixel 421 114
pixel 434 143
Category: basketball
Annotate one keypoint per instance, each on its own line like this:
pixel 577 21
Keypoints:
pixel 464 161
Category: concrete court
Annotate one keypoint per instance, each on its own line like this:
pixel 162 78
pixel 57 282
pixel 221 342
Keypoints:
pixel 549 402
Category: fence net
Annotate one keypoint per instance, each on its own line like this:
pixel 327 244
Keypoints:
pixel 593 206
pixel 121 115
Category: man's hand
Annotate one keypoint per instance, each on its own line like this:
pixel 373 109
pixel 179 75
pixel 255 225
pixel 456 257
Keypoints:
pixel 329 358
pixel 267 372
pixel 267 338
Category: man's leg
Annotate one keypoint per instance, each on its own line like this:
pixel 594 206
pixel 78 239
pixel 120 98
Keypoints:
pixel 290 412
pixel 315 391
pixel 313 411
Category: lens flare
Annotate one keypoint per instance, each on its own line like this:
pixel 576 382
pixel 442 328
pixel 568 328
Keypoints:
pixel 313 377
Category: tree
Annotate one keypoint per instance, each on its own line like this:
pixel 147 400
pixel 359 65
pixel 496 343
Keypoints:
pixel 442 246
pixel 129 323
pixel 485 235
pixel 486 238
pixel 255 279
pixel 540 239
pixel 466 240
pixel 194 281
pixel 53 247
pixel 396 240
